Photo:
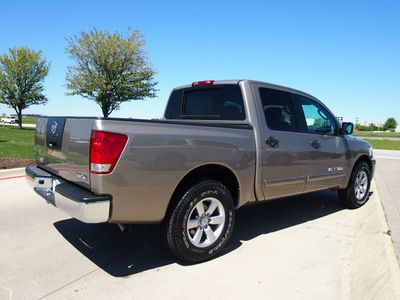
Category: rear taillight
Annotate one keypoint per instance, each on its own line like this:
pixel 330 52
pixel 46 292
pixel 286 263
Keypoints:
pixel 205 82
pixel 105 150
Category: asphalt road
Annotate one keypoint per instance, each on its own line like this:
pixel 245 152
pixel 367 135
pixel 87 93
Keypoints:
pixel 305 247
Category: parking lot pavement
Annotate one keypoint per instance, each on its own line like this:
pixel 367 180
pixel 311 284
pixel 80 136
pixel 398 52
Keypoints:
pixel 305 247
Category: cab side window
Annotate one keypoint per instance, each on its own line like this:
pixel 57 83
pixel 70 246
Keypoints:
pixel 279 110
pixel 317 120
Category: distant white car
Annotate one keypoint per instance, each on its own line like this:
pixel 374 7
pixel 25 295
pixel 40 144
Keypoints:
pixel 10 120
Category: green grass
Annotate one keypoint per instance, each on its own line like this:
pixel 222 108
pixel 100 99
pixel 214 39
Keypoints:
pixel 15 142
pixel 384 144
pixel 376 134
pixel 28 121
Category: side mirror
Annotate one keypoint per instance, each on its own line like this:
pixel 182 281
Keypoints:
pixel 347 127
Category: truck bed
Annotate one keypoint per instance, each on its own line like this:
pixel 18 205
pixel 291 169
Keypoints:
pixel 157 156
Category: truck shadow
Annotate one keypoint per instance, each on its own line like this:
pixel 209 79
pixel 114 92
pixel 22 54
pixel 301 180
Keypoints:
pixel 121 254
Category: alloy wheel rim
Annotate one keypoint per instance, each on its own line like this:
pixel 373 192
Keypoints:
pixel 361 185
pixel 206 222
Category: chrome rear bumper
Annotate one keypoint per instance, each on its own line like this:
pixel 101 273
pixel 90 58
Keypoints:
pixel 70 198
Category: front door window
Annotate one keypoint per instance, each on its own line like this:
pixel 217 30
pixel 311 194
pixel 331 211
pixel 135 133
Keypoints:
pixel 327 148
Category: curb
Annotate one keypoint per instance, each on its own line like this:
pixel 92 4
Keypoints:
pixel 12 172
pixel 372 270
pixel 387 271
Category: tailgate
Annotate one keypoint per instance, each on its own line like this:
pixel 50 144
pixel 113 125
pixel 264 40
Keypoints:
pixel 62 147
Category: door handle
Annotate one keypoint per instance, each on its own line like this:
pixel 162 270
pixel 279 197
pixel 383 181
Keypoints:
pixel 316 144
pixel 272 141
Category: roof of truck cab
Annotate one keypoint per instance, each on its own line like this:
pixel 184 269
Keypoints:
pixel 265 84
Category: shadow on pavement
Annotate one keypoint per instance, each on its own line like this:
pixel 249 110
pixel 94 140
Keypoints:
pixel 121 254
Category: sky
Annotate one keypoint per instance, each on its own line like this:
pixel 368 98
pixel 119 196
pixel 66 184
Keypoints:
pixel 345 53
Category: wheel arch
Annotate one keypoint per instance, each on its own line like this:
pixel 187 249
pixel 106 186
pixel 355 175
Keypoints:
pixel 215 172
pixel 369 161
pixel 356 193
pixel 363 158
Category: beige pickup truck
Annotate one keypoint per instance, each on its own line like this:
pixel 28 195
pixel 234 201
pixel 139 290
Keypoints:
pixel 221 145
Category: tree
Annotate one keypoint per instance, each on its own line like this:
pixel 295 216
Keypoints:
pixel 109 68
pixel 390 124
pixel 22 73
pixel 373 127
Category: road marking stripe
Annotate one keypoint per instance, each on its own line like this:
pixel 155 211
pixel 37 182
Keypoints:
pixel 13 177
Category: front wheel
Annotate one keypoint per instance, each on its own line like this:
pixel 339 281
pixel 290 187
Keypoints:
pixel 201 223
pixel 357 192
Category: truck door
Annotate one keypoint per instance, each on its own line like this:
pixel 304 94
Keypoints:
pixel 284 148
pixel 327 146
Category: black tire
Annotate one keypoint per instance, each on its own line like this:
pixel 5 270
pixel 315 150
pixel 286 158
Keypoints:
pixel 357 192
pixel 200 225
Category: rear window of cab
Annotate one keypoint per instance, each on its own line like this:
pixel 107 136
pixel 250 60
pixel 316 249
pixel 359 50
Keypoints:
pixel 219 102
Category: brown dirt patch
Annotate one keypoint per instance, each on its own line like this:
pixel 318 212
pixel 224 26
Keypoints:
pixel 13 162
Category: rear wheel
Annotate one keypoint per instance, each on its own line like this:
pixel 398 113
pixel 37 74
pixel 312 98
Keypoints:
pixel 357 192
pixel 201 223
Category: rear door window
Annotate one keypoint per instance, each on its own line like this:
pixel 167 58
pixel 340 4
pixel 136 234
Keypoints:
pixel 279 110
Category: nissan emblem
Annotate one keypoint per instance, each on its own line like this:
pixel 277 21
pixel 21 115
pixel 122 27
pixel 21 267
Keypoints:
pixel 54 127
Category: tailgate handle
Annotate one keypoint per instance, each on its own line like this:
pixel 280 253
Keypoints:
pixel 272 141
